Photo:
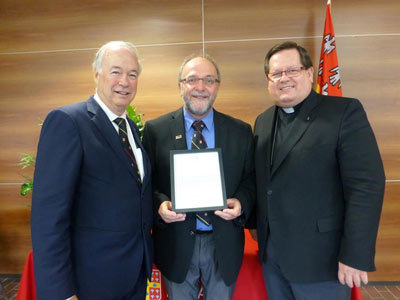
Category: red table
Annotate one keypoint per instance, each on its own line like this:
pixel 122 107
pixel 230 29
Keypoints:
pixel 249 286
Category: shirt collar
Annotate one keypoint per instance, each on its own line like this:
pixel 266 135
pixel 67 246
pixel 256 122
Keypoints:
pixel 208 119
pixel 112 116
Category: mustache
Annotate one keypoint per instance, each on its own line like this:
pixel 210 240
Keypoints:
pixel 201 94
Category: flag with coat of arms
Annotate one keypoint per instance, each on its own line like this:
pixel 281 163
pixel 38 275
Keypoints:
pixel 328 80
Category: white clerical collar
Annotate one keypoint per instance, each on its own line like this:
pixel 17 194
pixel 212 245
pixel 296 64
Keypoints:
pixel 288 110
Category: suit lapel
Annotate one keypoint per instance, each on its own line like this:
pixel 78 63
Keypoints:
pixel 300 124
pixel 178 133
pixel 108 131
pixel 267 132
pixel 221 134
pixel 146 161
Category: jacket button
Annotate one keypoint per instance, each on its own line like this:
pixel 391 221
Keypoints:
pixel 191 232
pixel 206 214
pixel 269 193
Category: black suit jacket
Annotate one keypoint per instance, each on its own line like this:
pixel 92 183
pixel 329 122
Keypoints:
pixel 90 219
pixel 321 199
pixel 174 242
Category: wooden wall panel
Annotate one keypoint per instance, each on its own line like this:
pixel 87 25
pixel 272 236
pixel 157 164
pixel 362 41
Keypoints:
pixel 32 85
pixel 238 34
pixel 388 245
pixel 49 25
pixel 286 18
pixel 15 233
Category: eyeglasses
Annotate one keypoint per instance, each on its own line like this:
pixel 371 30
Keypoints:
pixel 293 72
pixel 208 81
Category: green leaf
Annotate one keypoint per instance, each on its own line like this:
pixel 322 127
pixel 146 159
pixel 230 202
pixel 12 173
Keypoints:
pixel 26 188
pixel 27 160
pixel 136 118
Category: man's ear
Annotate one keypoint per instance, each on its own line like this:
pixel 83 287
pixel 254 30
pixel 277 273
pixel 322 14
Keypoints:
pixel 96 76
pixel 267 80
pixel 310 72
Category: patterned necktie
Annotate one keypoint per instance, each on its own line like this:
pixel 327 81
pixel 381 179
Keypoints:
pixel 123 135
pixel 198 142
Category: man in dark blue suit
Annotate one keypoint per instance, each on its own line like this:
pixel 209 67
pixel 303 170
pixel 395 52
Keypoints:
pixel 91 206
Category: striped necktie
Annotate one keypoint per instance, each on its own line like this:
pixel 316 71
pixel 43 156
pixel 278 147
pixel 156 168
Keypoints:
pixel 123 135
pixel 198 142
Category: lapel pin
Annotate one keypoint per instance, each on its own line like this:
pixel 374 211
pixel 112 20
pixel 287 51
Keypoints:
pixel 178 137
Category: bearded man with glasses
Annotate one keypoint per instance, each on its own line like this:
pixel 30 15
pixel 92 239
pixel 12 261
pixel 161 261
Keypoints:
pixel 201 246
pixel 320 184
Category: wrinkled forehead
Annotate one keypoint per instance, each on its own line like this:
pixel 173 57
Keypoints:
pixel 200 67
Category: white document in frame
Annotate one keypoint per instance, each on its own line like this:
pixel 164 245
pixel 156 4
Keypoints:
pixel 197 180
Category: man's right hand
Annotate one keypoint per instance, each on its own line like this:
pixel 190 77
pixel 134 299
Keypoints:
pixel 74 297
pixel 169 216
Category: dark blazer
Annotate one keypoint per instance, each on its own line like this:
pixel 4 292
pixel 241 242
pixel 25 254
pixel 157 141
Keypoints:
pixel 174 242
pixel 321 200
pixel 90 219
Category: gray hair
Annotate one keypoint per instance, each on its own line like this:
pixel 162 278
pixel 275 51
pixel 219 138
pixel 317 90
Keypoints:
pixel 98 58
pixel 195 55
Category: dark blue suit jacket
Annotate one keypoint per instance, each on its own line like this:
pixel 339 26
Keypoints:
pixel 90 219
pixel 174 242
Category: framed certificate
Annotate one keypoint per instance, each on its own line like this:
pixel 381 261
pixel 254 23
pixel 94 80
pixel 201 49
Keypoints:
pixel 197 180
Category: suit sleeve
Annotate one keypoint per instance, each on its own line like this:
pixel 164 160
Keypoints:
pixel 56 175
pixel 363 181
pixel 149 145
pixel 252 219
pixel 246 190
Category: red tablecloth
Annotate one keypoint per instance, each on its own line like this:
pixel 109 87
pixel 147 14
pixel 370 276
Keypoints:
pixel 250 283
pixel 27 288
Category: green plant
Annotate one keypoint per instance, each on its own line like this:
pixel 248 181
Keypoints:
pixel 28 160
pixel 136 118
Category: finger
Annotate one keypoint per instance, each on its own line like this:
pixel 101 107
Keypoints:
pixel 349 280
pixel 357 280
pixel 364 277
pixel 223 215
pixel 234 212
pixel 341 277
pixel 169 205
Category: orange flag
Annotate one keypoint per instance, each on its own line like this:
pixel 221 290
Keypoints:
pixel 328 80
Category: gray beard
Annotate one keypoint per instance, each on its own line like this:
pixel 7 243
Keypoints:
pixel 192 109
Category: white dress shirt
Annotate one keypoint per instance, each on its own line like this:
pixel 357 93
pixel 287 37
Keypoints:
pixel 136 151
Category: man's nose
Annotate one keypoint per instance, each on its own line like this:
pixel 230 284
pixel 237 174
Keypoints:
pixel 200 84
pixel 123 80
pixel 284 76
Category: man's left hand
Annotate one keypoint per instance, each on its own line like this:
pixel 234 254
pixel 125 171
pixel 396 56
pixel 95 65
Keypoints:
pixel 348 275
pixel 232 212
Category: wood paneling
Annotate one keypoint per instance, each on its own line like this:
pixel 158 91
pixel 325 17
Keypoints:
pixel 287 18
pixel 166 31
pixel 387 258
pixel 32 85
pixel 49 25
pixel 15 234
